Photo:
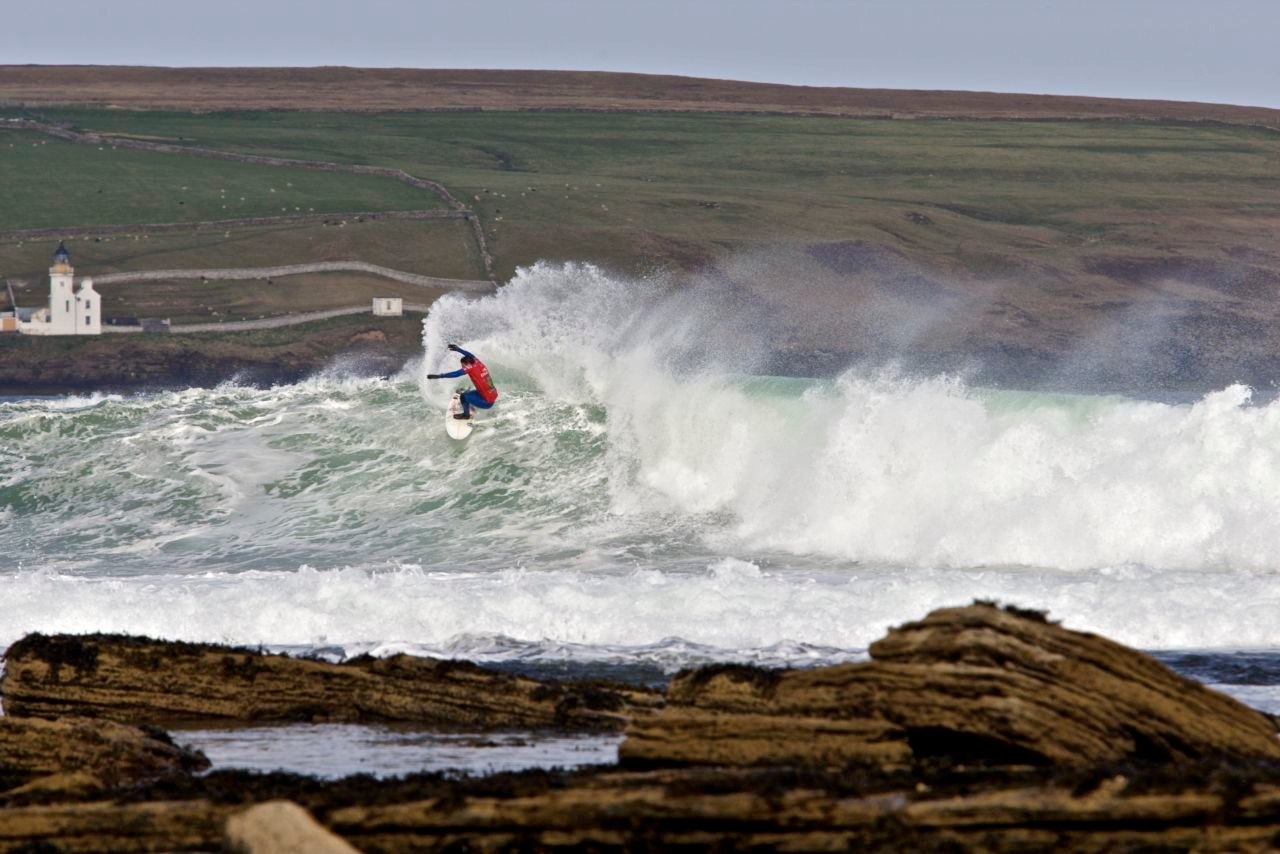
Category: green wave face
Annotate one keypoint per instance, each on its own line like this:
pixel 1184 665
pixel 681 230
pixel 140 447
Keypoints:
pixel 323 473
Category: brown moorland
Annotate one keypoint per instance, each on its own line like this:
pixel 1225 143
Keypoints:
pixel 380 89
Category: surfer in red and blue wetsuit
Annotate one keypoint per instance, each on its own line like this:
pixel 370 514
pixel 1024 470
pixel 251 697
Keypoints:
pixel 484 393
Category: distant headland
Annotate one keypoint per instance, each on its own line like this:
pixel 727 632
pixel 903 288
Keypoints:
pixel 1026 240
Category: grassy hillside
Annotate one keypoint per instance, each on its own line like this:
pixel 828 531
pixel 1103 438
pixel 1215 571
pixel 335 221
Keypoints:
pixel 201 302
pixel 629 189
pixel 436 248
pixel 50 183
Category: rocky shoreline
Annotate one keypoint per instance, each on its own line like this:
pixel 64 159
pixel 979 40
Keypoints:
pixel 975 727
pixel 130 363
pixel 845 296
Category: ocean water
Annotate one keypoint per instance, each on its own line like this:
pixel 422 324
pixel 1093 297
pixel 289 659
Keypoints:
pixel 642 498
pixel 333 751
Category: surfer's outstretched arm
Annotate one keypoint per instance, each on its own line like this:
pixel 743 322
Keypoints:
pixel 455 348
pixel 449 376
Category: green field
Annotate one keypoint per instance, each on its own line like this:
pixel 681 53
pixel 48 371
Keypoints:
pixel 442 248
pixel 52 183
pixel 634 189
pixel 228 300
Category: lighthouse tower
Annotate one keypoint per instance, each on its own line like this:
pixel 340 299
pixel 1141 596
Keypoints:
pixel 62 299
pixel 71 311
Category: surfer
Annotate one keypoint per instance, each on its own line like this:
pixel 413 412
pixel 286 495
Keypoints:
pixel 484 393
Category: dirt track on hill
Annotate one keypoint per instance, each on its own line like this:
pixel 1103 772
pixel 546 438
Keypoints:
pixel 242 273
pixel 373 89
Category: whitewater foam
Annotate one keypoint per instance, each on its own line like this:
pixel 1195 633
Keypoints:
pixel 879 467
pixel 731 611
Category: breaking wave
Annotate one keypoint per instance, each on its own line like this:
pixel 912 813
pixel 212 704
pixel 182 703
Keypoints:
pixel 641 489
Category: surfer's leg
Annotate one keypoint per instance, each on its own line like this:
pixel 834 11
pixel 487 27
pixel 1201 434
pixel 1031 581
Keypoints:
pixel 472 398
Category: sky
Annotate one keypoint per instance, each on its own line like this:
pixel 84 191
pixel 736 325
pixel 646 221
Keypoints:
pixel 1188 50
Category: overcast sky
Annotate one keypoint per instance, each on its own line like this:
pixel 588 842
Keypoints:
pixel 1197 50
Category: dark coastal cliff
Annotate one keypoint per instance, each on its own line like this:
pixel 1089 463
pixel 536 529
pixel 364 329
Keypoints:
pixel 976 727
pixel 150 361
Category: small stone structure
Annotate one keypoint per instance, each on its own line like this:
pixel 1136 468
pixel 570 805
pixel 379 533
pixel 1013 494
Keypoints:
pixel 388 306
pixel 70 311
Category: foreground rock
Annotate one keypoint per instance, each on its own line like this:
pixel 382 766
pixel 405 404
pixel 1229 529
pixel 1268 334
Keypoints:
pixel 105 827
pixel 278 826
pixel 976 683
pixel 79 756
pixel 1208 808
pixel 142 680
pixel 698 809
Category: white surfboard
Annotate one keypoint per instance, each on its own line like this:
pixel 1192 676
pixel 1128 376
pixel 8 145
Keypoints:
pixel 457 428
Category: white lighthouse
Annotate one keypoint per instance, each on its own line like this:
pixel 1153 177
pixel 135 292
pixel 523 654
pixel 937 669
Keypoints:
pixel 70 311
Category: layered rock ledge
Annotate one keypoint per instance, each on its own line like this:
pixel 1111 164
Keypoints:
pixel 139 680
pixel 79 755
pixel 769 810
pixel 978 683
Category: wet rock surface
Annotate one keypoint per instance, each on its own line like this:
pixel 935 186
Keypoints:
pixel 976 683
pixel 143 680
pixel 1213 806
pixel 771 809
pixel 974 728
pixel 281 826
pixel 79 754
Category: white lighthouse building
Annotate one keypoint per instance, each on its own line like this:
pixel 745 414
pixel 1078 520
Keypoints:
pixel 70 311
